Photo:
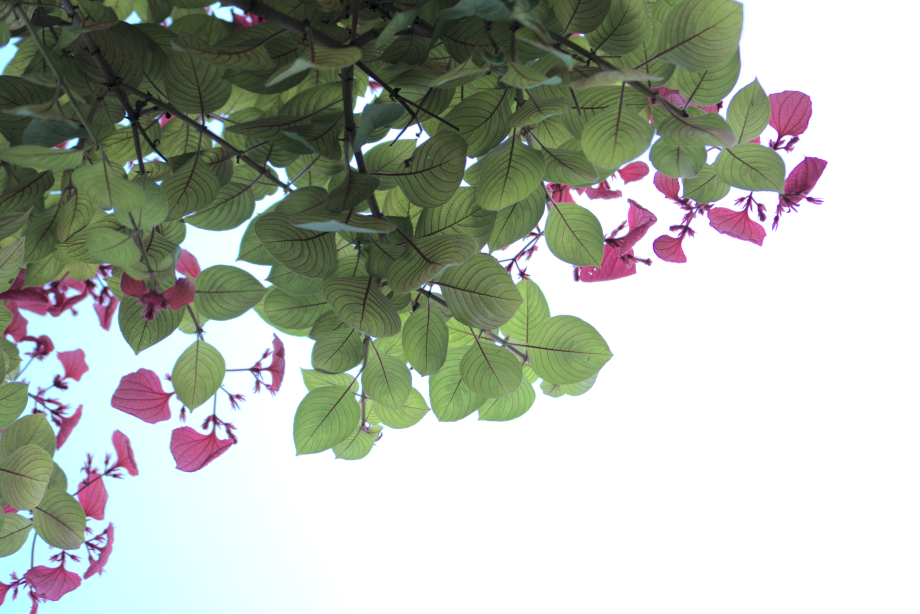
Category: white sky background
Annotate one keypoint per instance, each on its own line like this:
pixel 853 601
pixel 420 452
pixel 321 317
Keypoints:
pixel 751 447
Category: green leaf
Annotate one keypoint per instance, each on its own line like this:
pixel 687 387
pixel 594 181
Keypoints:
pixel 510 406
pixel 530 314
pixel 412 411
pixel 613 77
pixel 11 259
pixel 58 478
pixel 434 171
pixel 194 85
pixel 357 445
pixel 354 189
pixel 191 188
pixel 75 214
pixel 525 77
pixel 107 187
pixel 483 120
pixel 616 136
pixel 376 116
pixel 569 168
pixel 460 215
pixel 700 34
pixel 515 222
pixel 325 418
pixel 751 166
pixel 225 292
pixel 317 56
pixel 60 520
pixel 198 374
pixel 399 21
pixel 424 258
pixel 152 211
pixel 490 371
pixel 480 292
pixel 138 332
pixel 338 350
pixel 451 399
pixel 361 304
pixel 13 533
pixel 13 400
pixel 576 390
pixel 424 337
pixel 749 112
pixel 574 235
pixel 509 175
pixel 292 283
pixel 25 192
pixel 464 74
pixel 385 378
pixel 566 350
pixel 291 311
pixel 50 132
pixel 706 187
pixel 708 129
pixel 24 476
pixel 675 161
pixel 622 29
pixel 306 252
pixel 490 10
pixel 537 109
pixel 113 247
pixel 243 57
pixel 30 429
pixel 318 379
pixel 580 15
pixel 42 158
pixel 233 205
pixel 709 86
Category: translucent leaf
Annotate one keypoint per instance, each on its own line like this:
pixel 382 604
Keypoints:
pixel 376 116
pixel 434 171
pixel 318 379
pixel 490 371
pixel 113 247
pixel 248 57
pixel 574 235
pixel 14 532
pixel 480 292
pixel 749 112
pixel 511 406
pixel 194 85
pixel 107 187
pixel 13 400
pixel 675 161
pixel 24 476
pixel 198 374
pixel 622 29
pixel 338 350
pixel 569 168
pixel 525 77
pixel 483 120
pixel 225 292
pixel 533 311
pixel 424 337
pixel 451 399
pixel 138 332
pixel 385 378
pixel 292 283
pixel 566 350
pixel 293 312
pixel 515 222
pixel 708 86
pixel 325 418
pixel 460 215
pixel 306 252
pixel 412 411
pixel 11 259
pixel 357 445
pixel 318 56
pixel 42 158
pixel 509 175
pixel 616 136
pixel 700 34
pixel 30 429
pixel 60 520
pixel 706 187
pixel 192 187
pixel 613 77
pixel 361 304
pixel 424 258
pixel 537 109
pixel 708 129
pixel 751 166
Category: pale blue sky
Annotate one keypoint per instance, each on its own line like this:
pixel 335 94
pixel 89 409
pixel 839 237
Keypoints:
pixel 751 447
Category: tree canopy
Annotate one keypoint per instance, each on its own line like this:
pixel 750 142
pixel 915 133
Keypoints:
pixel 406 145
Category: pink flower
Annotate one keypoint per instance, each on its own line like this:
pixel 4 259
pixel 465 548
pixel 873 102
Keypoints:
pixel 52 583
pixel 106 312
pixel 93 496
pixel 96 565
pixel 67 427
pixel 193 450
pixel 188 264
pixel 125 452
pixel 174 298
pixel 141 394
pixel 43 346
pixel 276 368
pixel 74 367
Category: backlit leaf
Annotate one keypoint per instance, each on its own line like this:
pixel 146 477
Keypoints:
pixel 225 292
pixel 42 158
pixel 305 252
pixel 424 258
pixel 338 351
pixel 490 371
pixel 24 476
pixel 60 520
pixel 434 171
pixel 385 378
pixel 480 292
pixel 566 350
pixel 574 235
pixel 361 304
pixel 451 399
pixel 700 34
pixel 751 166
pixel 749 112
pixel 509 175
pixel 325 418
pixel 198 374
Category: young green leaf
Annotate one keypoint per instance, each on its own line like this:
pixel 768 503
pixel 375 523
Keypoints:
pixel 566 350
pixel 751 167
pixel 385 378
pixel 490 371
pixel 198 374
pixel 424 337
pixel 24 476
pixel 480 292
pixel 225 292
pixel 361 304
pixel 60 520
pixel 574 235
pixel 325 418
pixel 509 175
